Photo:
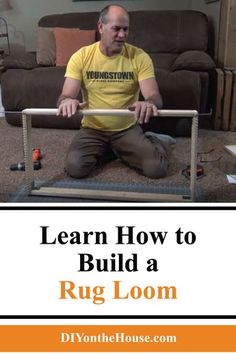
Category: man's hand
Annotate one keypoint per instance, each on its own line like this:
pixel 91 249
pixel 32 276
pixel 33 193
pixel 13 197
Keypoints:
pixel 143 110
pixel 69 106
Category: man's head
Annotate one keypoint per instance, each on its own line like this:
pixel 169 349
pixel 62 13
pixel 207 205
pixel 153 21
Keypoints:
pixel 113 26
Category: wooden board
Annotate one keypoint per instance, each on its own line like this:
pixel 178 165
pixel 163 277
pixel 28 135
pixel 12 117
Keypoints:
pixel 226 55
pixel 227 100
pixel 231 40
pixel 231 149
pixel 219 99
pixel 223 32
pixel 233 104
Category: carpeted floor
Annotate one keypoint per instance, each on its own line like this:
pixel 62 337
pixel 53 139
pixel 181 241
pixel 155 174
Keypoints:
pixel 54 144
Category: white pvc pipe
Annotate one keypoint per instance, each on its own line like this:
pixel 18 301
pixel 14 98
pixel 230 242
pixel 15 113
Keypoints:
pixel 106 112
pixel 41 111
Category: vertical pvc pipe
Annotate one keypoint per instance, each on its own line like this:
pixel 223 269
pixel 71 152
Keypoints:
pixel 27 141
pixel 193 171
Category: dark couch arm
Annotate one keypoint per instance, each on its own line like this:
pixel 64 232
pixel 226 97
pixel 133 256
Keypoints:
pixel 193 60
pixel 20 61
pixel 37 88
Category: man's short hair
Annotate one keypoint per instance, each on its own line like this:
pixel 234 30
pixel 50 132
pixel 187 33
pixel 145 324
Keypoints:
pixel 105 10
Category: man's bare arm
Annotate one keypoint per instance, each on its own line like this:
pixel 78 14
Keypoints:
pixel 153 101
pixel 151 93
pixel 67 103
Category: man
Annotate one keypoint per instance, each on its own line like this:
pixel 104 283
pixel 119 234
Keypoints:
pixel 111 73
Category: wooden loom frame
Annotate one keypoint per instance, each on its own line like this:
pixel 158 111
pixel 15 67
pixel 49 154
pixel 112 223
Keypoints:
pixel 107 194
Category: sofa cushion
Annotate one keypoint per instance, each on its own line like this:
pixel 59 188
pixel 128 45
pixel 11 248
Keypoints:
pixel 46 47
pixel 193 60
pixel 39 87
pixel 20 61
pixel 169 31
pixel 69 40
pixel 172 83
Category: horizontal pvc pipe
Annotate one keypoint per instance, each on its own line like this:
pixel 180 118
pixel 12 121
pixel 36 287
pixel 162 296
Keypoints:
pixel 106 112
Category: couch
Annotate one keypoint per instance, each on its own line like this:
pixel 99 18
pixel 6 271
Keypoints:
pixel 177 41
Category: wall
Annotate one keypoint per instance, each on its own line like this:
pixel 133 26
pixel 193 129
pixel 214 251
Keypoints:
pixel 212 9
pixel 23 18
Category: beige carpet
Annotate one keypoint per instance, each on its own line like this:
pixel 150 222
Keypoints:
pixel 54 143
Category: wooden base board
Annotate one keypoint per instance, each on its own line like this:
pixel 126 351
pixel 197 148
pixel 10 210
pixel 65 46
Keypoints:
pixel 109 195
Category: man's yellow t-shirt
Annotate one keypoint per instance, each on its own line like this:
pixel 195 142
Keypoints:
pixel 109 82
